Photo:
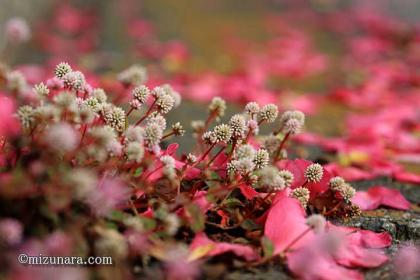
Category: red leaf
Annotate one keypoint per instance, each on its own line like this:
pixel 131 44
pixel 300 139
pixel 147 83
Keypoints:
pixel 218 248
pixel 356 249
pixel 407 177
pixel 248 191
pixel 286 221
pixel 311 262
pixel 381 195
pixel 349 173
pixel 297 167
pixel 172 148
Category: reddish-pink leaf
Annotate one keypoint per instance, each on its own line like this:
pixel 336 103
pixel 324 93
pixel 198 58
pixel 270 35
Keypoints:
pixel 313 261
pixel 357 251
pixel 286 221
pixel 381 195
pixel 248 191
pixel 297 167
pixel 407 177
pixel 201 240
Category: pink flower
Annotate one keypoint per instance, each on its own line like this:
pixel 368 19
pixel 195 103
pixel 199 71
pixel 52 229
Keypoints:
pixel 11 231
pixel 17 30
pixel 107 196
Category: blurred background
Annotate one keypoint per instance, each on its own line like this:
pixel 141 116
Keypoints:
pixel 317 56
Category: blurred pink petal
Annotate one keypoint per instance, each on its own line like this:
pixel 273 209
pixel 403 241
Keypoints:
pixel 380 195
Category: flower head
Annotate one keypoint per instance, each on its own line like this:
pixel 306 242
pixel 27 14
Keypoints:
pixel 134 75
pixel 153 134
pixel 222 133
pixel 314 173
pixel 100 95
pixel 114 117
pixel 301 194
pixel 134 151
pixel 252 109
pixel 268 113
pixel 41 90
pixel 316 222
pixel 74 80
pixel 62 137
pixel 244 151
pixel 177 129
pixel 141 93
pixel 293 126
pixel 11 231
pixel 287 177
pixel 217 107
pixel 270 178
pixel 261 158
pixel 17 30
pixel 238 125
pixel 26 116
pixel 62 69
pixel 134 133
pixel 164 102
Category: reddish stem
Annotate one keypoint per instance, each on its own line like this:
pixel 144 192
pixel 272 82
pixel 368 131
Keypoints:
pixel 276 157
pixel 147 113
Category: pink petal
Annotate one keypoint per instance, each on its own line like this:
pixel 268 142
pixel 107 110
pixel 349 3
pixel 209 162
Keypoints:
pixel 407 177
pixel 239 250
pixel 314 262
pixel 381 195
pixel 286 221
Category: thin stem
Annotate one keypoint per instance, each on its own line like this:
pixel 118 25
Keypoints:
pixel 83 135
pixel 276 157
pixel 300 236
pixel 204 155
pixel 130 111
pixel 133 207
pixel 168 135
pixel 215 156
pixel 147 113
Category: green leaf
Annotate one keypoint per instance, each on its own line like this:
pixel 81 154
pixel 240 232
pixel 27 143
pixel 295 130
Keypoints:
pixel 233 203
pixel 138 172
pixel 268 247
pixel 250 225
pixel 197 217
pixel 149 224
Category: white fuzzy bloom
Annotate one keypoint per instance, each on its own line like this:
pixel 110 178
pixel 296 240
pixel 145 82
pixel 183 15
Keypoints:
pixel 83 182
pixel 293 126
pixel 17 30
pixel 158 119
pixel 100 95
pixel 252 109
pixel 244 151
pixel 223 133
pixel 61 137
pixel 316 222
pixel 314 173
pixel 217 106
pixel 141 93
pixel 26 115
pixel 16 81
pixel 114 117
pixel 74 80
pixel 268 113
pixel 164 102
pixel 191 158
pixel 103 135
pixel 111 243
pixel 243 166
pixel 134 151
pixel 238 125
pixel 153 134
pixel 41 90
pixel 168 161
pixel 209 137
pixel 288 115
pixel 176 96
pixel 253 127
pixel 134 133
pixel 178 129
pixel 287 177
pixel 261 158
pixel 134 75
pixel 62 69
pixel 270 178
pixel 302 194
